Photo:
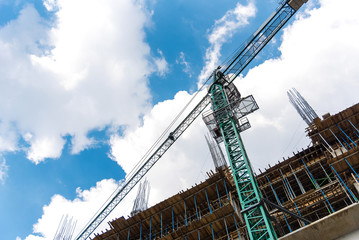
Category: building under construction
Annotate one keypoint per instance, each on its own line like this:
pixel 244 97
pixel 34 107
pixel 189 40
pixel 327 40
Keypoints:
pixel 314 185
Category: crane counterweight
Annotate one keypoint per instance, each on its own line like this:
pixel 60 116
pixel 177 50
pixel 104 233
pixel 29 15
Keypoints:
pixel 296 4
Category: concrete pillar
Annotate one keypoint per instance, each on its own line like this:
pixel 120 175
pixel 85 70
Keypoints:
pixel 356 186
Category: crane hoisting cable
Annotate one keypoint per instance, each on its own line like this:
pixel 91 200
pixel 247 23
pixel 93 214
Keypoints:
pixel 236 64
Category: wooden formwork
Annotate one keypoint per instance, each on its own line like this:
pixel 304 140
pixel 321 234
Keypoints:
pixel 186 214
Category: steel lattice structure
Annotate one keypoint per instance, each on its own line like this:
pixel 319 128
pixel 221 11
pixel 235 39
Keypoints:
pixel 302 106
pixel 141 201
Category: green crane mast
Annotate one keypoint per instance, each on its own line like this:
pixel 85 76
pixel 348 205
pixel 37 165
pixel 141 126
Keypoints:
pixel 228 110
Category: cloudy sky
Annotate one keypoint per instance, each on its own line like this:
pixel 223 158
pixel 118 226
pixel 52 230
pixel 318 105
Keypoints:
pixel 87 86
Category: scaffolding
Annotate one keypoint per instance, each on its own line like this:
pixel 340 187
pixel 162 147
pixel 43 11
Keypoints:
pixel 302 106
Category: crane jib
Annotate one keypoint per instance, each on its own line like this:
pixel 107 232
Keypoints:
pixel 261 37
pixel 238 63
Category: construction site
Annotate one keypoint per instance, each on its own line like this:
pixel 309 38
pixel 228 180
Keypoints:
pixel 312 194
pixel 314 183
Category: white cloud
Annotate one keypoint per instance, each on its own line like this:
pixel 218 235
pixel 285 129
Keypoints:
pixel 50 5
pixel 161 64
pixel 45 147
pixel 8 137
pixel 82 208
pixel 186 66
pixel 222 31
pixel 3 169
pixel 76 74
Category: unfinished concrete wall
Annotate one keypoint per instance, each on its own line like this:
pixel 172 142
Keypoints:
pixel 343 225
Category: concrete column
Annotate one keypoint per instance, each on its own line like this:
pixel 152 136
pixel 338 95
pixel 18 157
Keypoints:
pixel 356 186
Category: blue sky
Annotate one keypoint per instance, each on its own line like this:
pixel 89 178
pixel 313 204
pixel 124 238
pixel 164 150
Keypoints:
pixel 87 86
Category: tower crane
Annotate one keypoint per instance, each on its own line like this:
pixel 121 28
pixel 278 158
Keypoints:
pixel 227 109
